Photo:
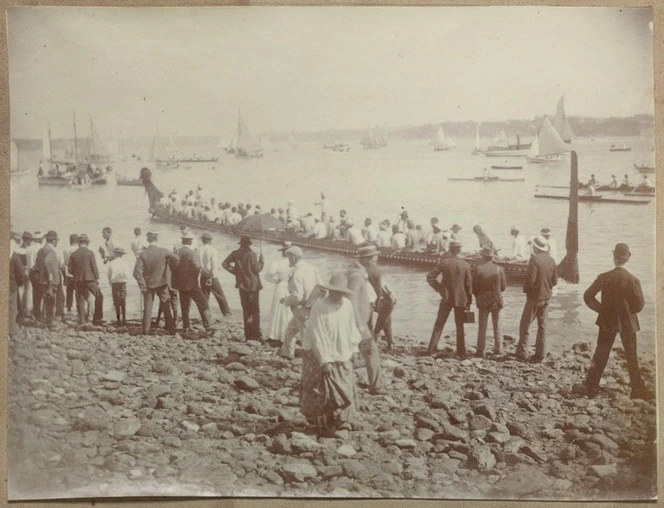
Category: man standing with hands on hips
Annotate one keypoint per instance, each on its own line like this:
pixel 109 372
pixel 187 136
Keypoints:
pixel 622 300
pixel 456 291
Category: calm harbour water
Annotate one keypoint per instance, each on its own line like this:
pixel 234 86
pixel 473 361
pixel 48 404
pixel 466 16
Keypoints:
pixel 378 183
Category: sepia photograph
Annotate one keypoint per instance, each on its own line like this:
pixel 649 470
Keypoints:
pixel 332 252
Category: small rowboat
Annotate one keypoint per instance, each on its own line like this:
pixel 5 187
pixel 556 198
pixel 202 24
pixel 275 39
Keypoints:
pixel 486 179
pixel 596 199
pixel 506 167
pixel 644 169
pixel 620 148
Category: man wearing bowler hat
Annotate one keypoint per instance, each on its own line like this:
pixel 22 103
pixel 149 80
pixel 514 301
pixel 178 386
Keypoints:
pixel 152 269
pixel 541 278
pixel 622 299
pixel 246 266
pixel 456 290
pixel 209 280
pixel 488 285
pixel 83 267
pixel 48 278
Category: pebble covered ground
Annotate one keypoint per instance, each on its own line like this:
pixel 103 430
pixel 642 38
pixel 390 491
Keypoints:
pixel 103 411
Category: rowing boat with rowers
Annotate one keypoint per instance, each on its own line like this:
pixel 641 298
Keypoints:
pixel 596 199
pixel 506 167
pixel 486 179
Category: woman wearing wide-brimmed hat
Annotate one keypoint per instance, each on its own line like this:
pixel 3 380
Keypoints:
pixel 328 393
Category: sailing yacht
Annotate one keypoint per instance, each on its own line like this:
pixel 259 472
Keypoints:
pixel 441 142
pixel 15 162
pixel 477 150
pixel 247 147
pixel 373 138
pixel 560 122
pixel 502 148
pixel 162 152
pixel 548 145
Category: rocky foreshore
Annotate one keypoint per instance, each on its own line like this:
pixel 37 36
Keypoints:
pixel 103 411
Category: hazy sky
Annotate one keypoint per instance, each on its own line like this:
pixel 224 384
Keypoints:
pixel 189 70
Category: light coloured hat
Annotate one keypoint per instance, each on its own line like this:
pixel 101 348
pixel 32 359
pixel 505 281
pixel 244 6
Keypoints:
pixel 338 283
pixel 294 251
pixel 187 235
pixel 367 251
pixel 541 243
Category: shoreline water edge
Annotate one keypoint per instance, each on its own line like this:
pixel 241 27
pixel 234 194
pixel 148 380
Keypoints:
pixel 103 411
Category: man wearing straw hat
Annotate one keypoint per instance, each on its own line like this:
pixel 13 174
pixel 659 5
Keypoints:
pixel 328 392
pixel 185 280
pixel 302 289
pixel 538 285
pixel 456 291
pixel 152 270
pixel 363 298
pixel 118 275
pixel 246 266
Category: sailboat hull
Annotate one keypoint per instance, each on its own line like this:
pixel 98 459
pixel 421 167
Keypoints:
pixel 540 159
pixel 506 153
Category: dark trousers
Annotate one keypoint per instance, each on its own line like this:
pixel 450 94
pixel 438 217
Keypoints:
pixel 60 301
pixel 69 284
pixel 251 314
pixel 481 330
pixel 13 311
pixel 605 341
pixel 164 296
pixel 83 289
pixel 384 321
pixel 38 299
pixel 25 292
pixel 443 312
pixel 533 309
pixel 217 292
pixel 199 299
pixel 173 305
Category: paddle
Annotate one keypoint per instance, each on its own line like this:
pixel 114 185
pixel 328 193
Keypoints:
pixel 568 269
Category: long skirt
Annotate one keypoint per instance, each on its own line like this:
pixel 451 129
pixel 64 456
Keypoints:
pixel 327 401
pixel 280 315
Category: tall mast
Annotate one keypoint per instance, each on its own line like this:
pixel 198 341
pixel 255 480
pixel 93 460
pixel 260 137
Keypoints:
pixel 75 139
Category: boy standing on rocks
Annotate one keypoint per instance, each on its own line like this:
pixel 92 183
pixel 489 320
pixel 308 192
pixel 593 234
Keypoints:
pixel 118 275
pixel 622 300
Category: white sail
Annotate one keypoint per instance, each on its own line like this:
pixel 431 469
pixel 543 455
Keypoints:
pixel 96 147
pixel 501 140
pixel 246 143
pixel 13 156
pixel 441 141
pixel 560 121
pixel 46 146
pixel 548 140
pixel 534 147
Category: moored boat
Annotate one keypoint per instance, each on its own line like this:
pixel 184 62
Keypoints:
pixel 503 148
pixel 125 180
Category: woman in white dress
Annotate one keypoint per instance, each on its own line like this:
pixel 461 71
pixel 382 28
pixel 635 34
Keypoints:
pixel 278 274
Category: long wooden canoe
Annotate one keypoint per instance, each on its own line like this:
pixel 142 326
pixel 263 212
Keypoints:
pixel 597 199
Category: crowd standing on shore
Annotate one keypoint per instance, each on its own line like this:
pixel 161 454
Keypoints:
pixel 332 321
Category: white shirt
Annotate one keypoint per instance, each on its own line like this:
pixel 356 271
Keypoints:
pixel 331 332
pixel 398 241
pixel 302 283
pixel 383 238
pixel 118 270
pixel 355 235
pixel 520 247
pixel 138 245
pixel 209 259
pixel 370 233
pixel 320 230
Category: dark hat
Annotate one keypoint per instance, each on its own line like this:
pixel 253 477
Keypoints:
pixel 51 235
pixel 119 250
pixel 367 251
pixel 73 238
pixel 83 238
pixel 183 227
pixel 27 235
pixel 206 236
pixel 456 227
pixel 545 231
pixel 338 283
pixel 621 252
pixel 152 234
pixel 454 244
pixel 486 252
pixel 285 245
pixel 245 240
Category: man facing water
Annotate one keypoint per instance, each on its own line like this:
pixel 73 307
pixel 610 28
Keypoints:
pixel 622 299
pixel 83 267
pixel 209 280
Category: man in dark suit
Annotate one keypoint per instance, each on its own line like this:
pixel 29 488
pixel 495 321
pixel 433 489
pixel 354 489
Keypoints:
pixel 244 264
pixel 16 280
pixel 488 285
pixel 47 279
pixel 622 300
pixel 83 268
pixel 456 290
pixel 538 285
pixel 151 273
pixel 185 280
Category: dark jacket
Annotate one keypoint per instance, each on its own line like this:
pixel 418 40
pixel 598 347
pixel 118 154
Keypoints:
pixel 456 286
pixel 622 299
pixel 540 277
pixel 152 266
pixel 47 266
pixel 185 275
pixel 488 285
pixel 83 265
pixel 244 264
pixel 16 272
